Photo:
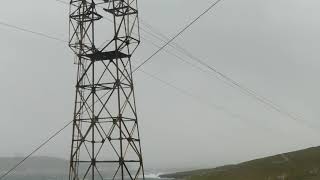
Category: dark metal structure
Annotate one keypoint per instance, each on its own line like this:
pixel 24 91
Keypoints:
pixel 105 137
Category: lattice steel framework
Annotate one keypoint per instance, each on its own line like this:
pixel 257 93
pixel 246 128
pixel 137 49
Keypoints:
pixel 105 138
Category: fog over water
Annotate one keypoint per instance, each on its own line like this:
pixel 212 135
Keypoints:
pixel 271 47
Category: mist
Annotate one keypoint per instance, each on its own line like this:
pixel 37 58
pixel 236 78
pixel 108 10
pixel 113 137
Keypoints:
pixel 269 46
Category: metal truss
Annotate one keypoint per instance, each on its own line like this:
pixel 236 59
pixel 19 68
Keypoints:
pixel 105 137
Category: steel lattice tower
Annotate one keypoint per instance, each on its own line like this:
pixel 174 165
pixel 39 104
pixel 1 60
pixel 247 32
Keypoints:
pixel 105 138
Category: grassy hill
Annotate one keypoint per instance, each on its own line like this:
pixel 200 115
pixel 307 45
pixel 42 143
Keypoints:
pixel 298 165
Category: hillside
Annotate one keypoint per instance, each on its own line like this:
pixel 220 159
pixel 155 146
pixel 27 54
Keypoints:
pixel 44 168
pixel 43 165
pixel 298 165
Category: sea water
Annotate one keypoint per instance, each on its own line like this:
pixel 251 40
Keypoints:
pixel 44 177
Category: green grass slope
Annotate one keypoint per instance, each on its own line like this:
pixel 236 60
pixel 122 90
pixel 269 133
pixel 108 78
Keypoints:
pixel 298 165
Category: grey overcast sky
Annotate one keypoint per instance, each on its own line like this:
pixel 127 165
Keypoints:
pixel 269 46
